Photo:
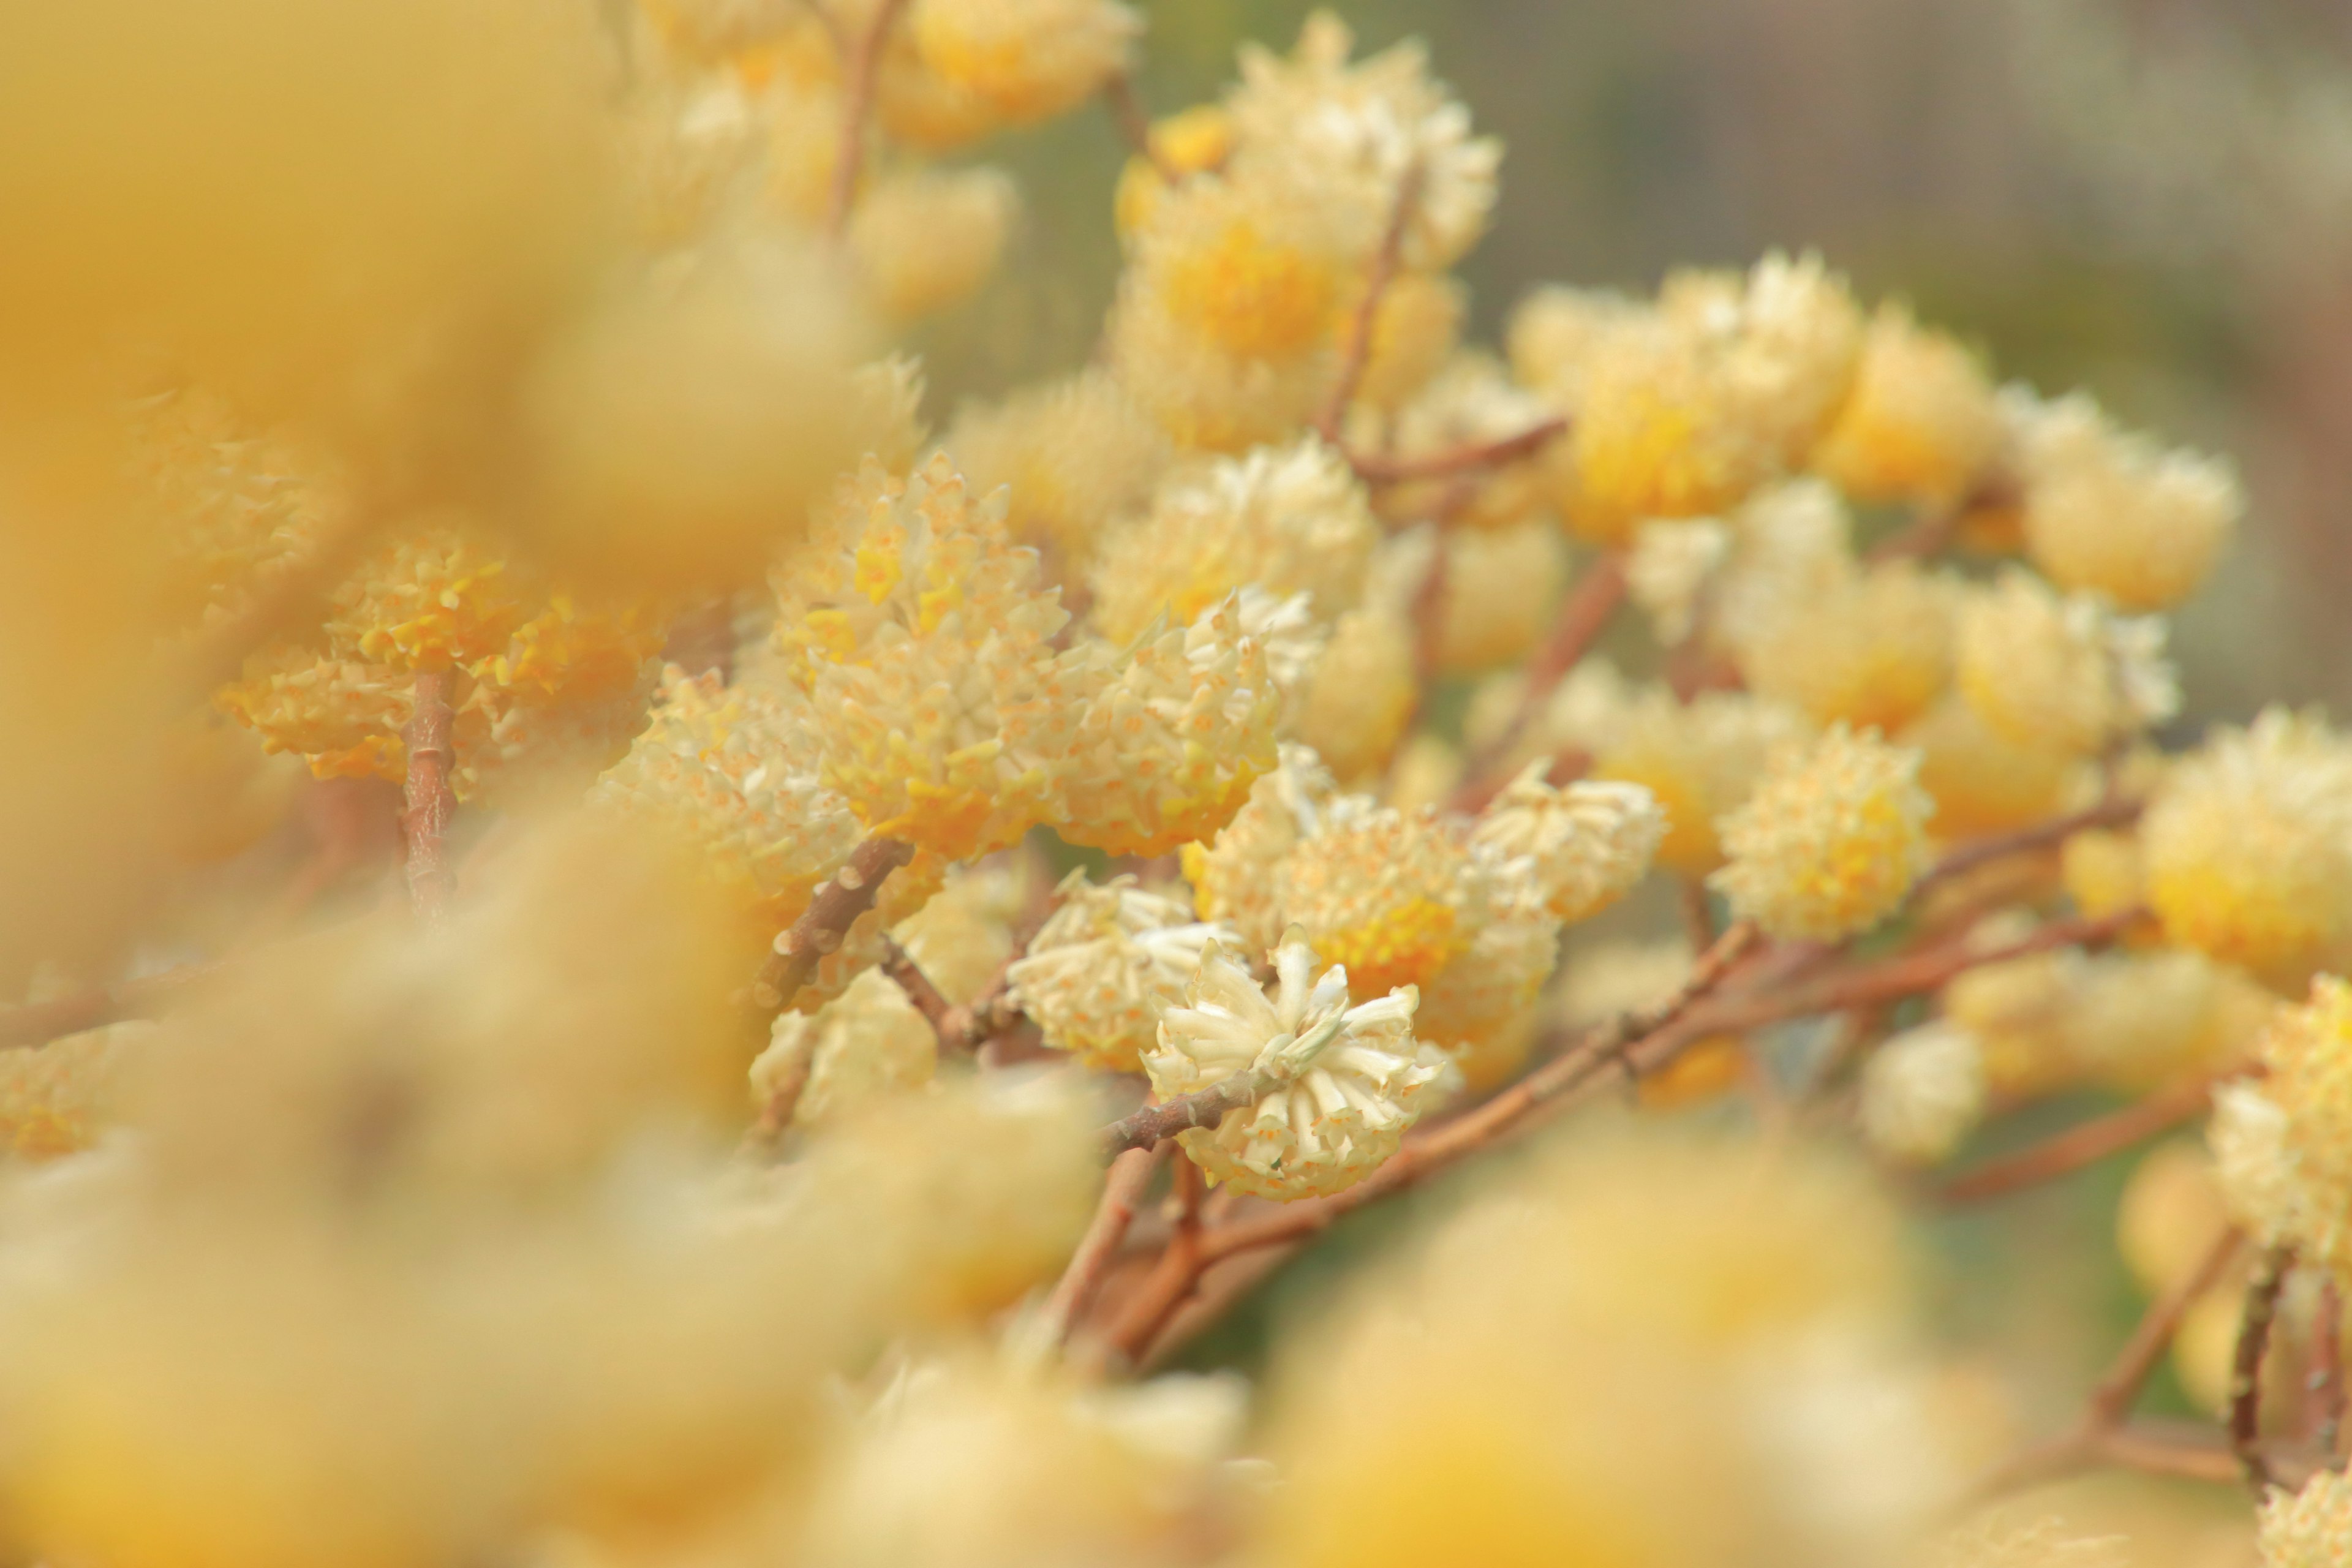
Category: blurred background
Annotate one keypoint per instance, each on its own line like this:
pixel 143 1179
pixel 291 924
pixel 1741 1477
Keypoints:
pixel 2149 199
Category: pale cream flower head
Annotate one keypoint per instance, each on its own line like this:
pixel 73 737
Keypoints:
pixel 1106 962
pixel 1342 1083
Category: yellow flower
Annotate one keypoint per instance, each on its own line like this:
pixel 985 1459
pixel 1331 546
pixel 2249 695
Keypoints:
pixel 1875 651
pixel 1026 59
pixel 1982 782
pixel 2308 1529
pixel 925 240
pixel 1921 423
pixel 2061 675
pixel 1342 1083
pixel 1392 898
pixel 1831 841
pixel 1191 141
pixel 924 640
pixel 1100 970
pixel 2113 511
pixel 1570 852
pixel 1699 760
pixel 866 1045
pixel 2248 847
pixel 1077 455
pixel 1289 520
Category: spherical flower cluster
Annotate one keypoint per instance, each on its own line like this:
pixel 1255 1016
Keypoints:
pixel 1480 1010
pixel 1875 651
pixel 1100 970
pixel 1497 594
pixel 2285 1147
pixel 2248 847
pixel 1191 141
pixel 1699 760
pixel 56 1099
pixel 1980 780
pixel 1921 423
pixel 735 769
pixel 239 506
pixel 1289 520
pixel 1076 454
pixel 1236 877
pixel 1353 132
pixel 2311 1528
pixel 1363 691
pixel 1025 59
pixel 1570 852
pixel 925 240
pixel 1392 898
pixel 1171 738
pixel 1225 318
pixel 2061 675
pixel 1670 568
pixel 1923 1091
pixel 962 938
pixel 1342 1082
pixel 925 641
pixel 2109 510
pixel 866 1045
pixel 1831 841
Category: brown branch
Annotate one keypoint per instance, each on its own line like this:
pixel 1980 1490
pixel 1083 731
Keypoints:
pixel 836 907
pixel 1221 1284
pixel 1171 1280
pixel 1385 262
pixel 1498 1116
pixel 1202 1107
pixel 859 74
pixel 1894 979
pixel 1382 469
pixel 1932 530
pixel 2104 1433
pixel 2246 1368
pixel 2085 1144
pixel 2112 813
pixel 2111 1402
pixel 427 797
pixel 2328 1369
pixel 1134 125
pixel 1122 1190
pixel 39 1023
pixel 900 966
pixel 1583 615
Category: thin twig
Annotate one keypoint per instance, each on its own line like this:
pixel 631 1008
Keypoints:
pixel 859 75
pixel 1891 980
pixel 1134 125
pixel 2328 1369
pixel 900 966
pixel 2246 1368
pixel 1583 615
pixel 2085 1144
pixel 1932 529
pixel 2093 1438
pixel 1383 469
pixel 1202 1107
pixel 1122 1190
pixel 427 797
pixel 836 907
pixel 1385 262
pixel 2113 813
pixel 1498 1116
pixel 2111 1402
pixel 1171 1280
pixel 1220 1285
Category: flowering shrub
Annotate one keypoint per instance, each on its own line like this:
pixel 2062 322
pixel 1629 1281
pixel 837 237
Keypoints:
pixel 888 933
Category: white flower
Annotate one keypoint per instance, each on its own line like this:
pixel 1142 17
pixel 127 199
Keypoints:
pixel 1342 1083
pixel 1573 851
pixel 1100 970
pixel 1923 1091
